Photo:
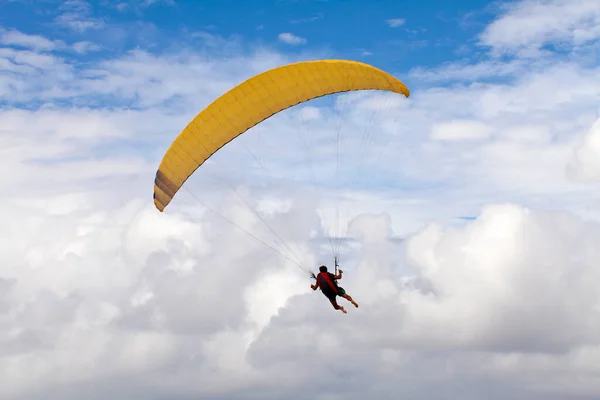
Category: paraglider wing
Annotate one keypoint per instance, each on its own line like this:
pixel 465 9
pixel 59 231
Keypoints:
pixel 253 101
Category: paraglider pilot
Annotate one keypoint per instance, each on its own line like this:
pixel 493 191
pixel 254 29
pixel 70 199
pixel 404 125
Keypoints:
pixel 329 287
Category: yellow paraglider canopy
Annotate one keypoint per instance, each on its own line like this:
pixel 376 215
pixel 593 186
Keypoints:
pixel 253 101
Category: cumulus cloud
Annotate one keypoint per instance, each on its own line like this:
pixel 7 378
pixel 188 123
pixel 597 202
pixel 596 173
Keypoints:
pixel 528 26
pixel 395 22
pixel 585 164
pixel 85 47
pixel 40 44
pixel 34 42
pixel 489 287
pixel 513 260
pixel 290 38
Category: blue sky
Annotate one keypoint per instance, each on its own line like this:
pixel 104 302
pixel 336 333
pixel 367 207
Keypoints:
pixel 395 35
pixel 488 173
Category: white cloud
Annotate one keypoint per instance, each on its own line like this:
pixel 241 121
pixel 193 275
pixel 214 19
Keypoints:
pixel 461 130
pixel 77 15
pixel 475 72
pixel 85 47
pixel 290 38
pixel 527 26
pixel 585 164
pixel 395 22
pixel 491 287
pixel 310 113
pixel 512 260
pixel 78 22
pixel 35 42
pixel 122 7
